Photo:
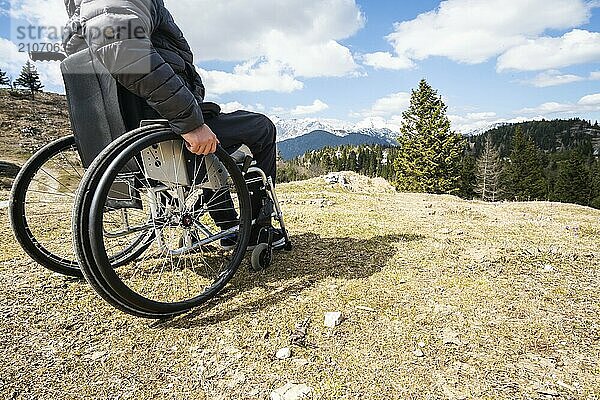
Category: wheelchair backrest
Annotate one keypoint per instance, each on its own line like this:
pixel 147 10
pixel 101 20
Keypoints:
pixel 93 102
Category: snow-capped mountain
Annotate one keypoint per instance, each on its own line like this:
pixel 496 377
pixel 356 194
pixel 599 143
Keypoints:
pixel 480 131
pixel 293 128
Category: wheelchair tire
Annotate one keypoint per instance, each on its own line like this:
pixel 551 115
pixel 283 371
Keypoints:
pixel 58 193
pixel 126 288
pixel 53 189
pixel 80 222
pixel 261 257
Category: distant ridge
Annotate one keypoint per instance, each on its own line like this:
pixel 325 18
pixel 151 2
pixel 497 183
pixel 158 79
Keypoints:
pixel 318 139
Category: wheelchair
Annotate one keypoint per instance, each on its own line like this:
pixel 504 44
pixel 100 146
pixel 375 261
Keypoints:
pixel 155 229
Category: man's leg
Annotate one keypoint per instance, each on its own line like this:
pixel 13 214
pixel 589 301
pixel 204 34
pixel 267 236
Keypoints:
pixel 258 133
pixel 254 130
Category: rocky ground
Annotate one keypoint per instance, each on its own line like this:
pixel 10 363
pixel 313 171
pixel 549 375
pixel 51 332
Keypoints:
pixel 432 297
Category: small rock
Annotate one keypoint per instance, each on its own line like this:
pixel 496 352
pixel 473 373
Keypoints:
pixel 97 355
pixel 284 353
pixel 333 319
pixel 565 386
pixel 298 336
pixel 418 353
pixel 451 337
pixel 291 391
pixel 548 268
pixel 300 361
pixel 421 344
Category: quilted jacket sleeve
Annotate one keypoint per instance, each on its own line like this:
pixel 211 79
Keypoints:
pixel 118 33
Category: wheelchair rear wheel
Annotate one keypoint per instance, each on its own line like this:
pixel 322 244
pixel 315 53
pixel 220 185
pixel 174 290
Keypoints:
pixel 42 198
pixel 196 209
pixel 42 195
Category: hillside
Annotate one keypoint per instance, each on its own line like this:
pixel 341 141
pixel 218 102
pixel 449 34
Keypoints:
pixel 550 136
pixel 443 299
pixel 26 125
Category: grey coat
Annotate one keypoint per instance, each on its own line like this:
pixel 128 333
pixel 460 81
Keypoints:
pixel 144 50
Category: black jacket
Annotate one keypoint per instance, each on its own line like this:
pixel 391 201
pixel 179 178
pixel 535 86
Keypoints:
pixel 142 47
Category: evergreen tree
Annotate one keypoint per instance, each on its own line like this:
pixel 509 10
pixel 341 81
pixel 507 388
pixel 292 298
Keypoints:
pixel 525 178
pixel 430 153
pixel 4 80
pixel 489 170
pixel 595 184
pixel 468 180
pixel 30 79
pixel 571 184
pixel 352 162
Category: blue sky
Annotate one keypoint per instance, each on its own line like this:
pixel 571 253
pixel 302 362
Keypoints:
pixel 356 61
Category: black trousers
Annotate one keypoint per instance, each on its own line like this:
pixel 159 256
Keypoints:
pixel 233 129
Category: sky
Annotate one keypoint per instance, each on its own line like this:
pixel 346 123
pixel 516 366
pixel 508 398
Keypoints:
pixel 492 61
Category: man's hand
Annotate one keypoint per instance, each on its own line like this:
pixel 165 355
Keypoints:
pixel 201 141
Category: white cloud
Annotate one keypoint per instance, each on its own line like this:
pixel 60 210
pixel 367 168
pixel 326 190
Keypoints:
pixel 575 47
pixel 554 78
pixel 478 122
pixel 394 104
pixel 385 60
pixel 252 76
pixel 385 112
pixel 303 35
pixel 595 76
pixel 11 61
pixel 235 106
pixel 45 13
pixel 292 39
pixel 473 31
pixel 590 100
pixel 587 104
pixel 316 107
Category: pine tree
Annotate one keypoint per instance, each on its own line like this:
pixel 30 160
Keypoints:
pixel 525 177
pixel 595 184
pixel 468 180
pixel 4 80
pixel 30 79
pixel 489 170
pixel 430 153
pixel 571 184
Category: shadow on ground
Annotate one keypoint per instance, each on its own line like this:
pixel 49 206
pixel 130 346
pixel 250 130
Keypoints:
pixel 313 259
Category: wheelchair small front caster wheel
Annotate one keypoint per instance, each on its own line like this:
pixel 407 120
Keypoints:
pixel 261 257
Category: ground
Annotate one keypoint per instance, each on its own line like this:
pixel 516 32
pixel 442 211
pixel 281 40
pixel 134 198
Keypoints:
pixel 443 299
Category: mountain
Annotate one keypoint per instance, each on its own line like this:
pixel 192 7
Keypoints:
pixel 293 128
pixel 318 139
pixel 297 136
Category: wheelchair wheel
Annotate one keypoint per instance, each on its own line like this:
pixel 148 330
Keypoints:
pixel 261 257
pixel 42 195
pixel 196 209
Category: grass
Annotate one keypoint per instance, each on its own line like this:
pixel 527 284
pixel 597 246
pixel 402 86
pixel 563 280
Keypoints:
pixel 501 299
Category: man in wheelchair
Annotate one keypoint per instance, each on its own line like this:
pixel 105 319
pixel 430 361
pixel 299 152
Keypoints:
pixel 141 47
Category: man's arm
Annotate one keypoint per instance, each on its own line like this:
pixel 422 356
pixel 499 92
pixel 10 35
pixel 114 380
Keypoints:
pixel 118 33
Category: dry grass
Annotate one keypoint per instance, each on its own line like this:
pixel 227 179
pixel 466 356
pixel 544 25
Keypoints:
pixel 511 288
